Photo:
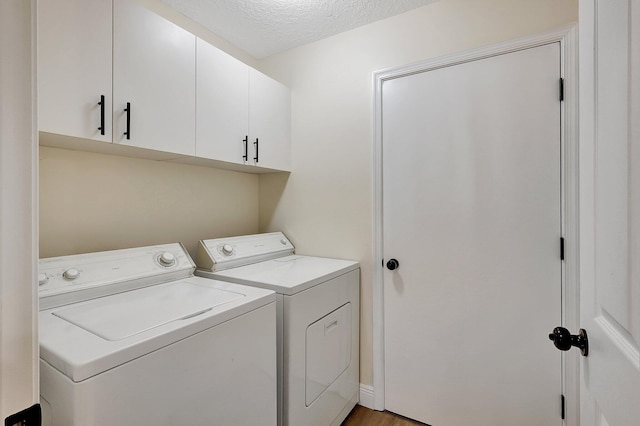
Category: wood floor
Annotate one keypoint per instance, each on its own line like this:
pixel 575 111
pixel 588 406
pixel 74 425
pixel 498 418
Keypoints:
pixel 361 416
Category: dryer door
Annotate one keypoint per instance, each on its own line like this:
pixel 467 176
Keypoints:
pixel 328 351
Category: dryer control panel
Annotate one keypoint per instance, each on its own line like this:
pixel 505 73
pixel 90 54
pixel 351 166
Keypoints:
pixel 224 253
pixel 70 279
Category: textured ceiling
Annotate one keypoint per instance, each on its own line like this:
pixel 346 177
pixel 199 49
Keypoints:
pixel 266 27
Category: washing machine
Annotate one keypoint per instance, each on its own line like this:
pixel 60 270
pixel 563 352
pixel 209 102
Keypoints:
pixel 131 337
pixel 318 311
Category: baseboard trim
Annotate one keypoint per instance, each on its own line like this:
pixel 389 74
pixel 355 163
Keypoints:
pixel 366 396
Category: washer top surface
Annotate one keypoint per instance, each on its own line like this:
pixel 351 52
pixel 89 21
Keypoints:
pixel 87 338
pixel 286 275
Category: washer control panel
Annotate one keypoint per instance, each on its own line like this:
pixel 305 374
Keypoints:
pixel 111 271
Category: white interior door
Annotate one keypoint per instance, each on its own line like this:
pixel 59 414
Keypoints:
pixel 471 210
pixel 609 211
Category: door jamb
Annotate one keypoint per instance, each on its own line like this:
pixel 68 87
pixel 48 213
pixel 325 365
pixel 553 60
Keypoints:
pixel 567 37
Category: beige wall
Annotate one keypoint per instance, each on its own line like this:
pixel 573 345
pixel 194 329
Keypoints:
pixel 325 206
pixel 93 202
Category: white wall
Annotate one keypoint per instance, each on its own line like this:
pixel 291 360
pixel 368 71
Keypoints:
pixel 325 206
pixel 18 209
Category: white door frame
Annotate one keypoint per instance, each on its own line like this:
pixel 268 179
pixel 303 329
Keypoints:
pixel 19 375
pixel 567 37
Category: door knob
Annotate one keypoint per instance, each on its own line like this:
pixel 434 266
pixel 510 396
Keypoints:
pixel 393 264
pixel 564 340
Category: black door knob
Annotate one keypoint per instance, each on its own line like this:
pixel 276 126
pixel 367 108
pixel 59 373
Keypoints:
pixel 564 340
pixel 393 264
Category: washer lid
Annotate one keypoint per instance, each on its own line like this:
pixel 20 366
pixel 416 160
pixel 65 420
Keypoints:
pixel 127 314
pixel 87 338
pixel 286 275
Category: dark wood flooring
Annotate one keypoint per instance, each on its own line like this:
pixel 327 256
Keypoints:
pixel 361 416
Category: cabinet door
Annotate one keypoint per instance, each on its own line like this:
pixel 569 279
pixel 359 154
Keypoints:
pixel 269 122
pixel 74 67
pixel 222 105
pixel 153 71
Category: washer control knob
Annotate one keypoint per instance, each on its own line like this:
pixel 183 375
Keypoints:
pixel 227 249
pixel 42 279
pixel 71 274
pixel 167 259
pixel 283 241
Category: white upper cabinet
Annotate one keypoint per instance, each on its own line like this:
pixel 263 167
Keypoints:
pixel 269 122
pixel 154 74
pixel 243 116
pixel 74 68
pixel 114 71
pixel 222 105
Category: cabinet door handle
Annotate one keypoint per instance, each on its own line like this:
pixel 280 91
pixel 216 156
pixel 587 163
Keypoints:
pixel 257 148
pixel 101 103
pixel 128 111
pixel 245 157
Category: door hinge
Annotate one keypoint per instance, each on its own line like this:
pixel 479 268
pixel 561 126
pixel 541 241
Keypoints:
pixel 561 248
pixel 562 407
pixel 561 89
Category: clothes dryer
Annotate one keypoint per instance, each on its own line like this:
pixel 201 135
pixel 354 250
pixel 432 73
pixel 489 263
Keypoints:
pixel 318 317
pixel 132 337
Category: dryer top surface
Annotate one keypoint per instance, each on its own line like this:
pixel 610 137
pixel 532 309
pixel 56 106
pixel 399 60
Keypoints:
pixel 286 275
